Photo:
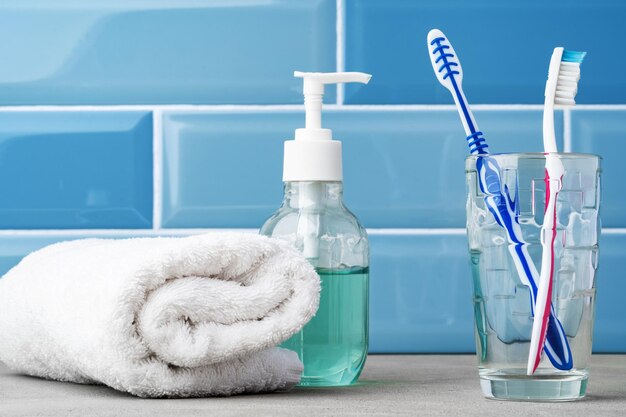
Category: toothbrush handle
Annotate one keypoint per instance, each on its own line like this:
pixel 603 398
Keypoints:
pixel 556 345
pixel 502 207
pixel 553 176
pixel 467 118
pixel 549 137
pixel 475 139
pixel 544 287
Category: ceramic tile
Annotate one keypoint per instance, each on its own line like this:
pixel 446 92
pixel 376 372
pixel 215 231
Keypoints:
pixel 610 332
pixel 143 52
pixel 14 248
pixel 223 169
pixel 420 294
pixel 504 48
pixel 604 133
pixel 75 170
pixel 420 290
pixel 401 168
pixel 406 168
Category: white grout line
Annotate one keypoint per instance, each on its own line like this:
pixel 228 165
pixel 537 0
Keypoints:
pixel 69 108
pixel 263 107
pixel 184 232
pixel 117 232
pixel 157 232
pixel 614 231
pixel 340 49
pixel 431 107
pixel 157 167
pixel 292 107
pixel 417 232
pixel 599 107
pixel 156 107
pixel 567 130
pixel 205 230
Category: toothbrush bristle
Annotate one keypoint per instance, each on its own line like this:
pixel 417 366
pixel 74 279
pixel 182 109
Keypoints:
pixel 569 74
pixel 573 56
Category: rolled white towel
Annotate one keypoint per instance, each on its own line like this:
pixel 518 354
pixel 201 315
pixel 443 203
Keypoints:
pixel 159 317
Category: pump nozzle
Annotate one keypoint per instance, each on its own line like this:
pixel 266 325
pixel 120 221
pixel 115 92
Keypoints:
pixel 313 90
pixel 314 81
pixel 313 155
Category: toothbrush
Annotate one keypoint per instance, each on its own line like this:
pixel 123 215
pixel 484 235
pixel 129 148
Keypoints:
pixel 561 88
pixel 448 70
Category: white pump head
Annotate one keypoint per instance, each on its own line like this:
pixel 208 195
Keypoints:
pixel 313 155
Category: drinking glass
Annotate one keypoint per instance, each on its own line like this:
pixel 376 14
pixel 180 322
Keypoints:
pixel 502 297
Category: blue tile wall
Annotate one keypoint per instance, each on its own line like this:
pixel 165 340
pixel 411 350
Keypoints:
pixel 420 290
pixel 401 168
pixel 405 169
pixel 223 169
pixel 14 247
pixel 603 133
pixel 75 170
pixel 504 48
pixel 420 294
pixel 201 51
pixel 420 297
pixel 610 332
pixel 83 85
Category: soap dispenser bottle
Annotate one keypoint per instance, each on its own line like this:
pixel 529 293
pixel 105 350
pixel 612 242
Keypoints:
pixel 313 218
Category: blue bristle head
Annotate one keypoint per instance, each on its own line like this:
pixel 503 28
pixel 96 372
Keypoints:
pixel 573 56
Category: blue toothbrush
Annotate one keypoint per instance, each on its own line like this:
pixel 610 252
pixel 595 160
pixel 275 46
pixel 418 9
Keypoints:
pixel 448 70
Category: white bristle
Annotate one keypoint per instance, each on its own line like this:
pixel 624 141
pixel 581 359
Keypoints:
pixel 567 83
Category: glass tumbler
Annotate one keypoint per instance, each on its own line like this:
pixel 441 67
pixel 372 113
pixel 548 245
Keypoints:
pixel 503 309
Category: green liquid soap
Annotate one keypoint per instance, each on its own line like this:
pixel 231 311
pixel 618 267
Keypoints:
pixel 333 345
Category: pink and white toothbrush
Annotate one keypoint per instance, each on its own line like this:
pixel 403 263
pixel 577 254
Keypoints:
pixel 561 88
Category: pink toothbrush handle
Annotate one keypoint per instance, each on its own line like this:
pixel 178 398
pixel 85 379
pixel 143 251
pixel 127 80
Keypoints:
pixel 544 290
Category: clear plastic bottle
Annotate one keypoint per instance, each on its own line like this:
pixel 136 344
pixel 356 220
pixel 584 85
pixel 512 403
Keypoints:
pixel 313 218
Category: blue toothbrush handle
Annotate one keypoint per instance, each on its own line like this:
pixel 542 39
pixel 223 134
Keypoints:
pixel 503 209
pixel 448 70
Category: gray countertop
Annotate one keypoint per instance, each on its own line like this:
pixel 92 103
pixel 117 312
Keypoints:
pixel 429 385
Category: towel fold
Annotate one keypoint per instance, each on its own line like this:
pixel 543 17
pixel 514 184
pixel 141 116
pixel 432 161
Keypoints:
pixel 159 317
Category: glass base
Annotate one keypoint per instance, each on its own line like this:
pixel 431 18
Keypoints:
pixel 339 379
pixel 515 385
